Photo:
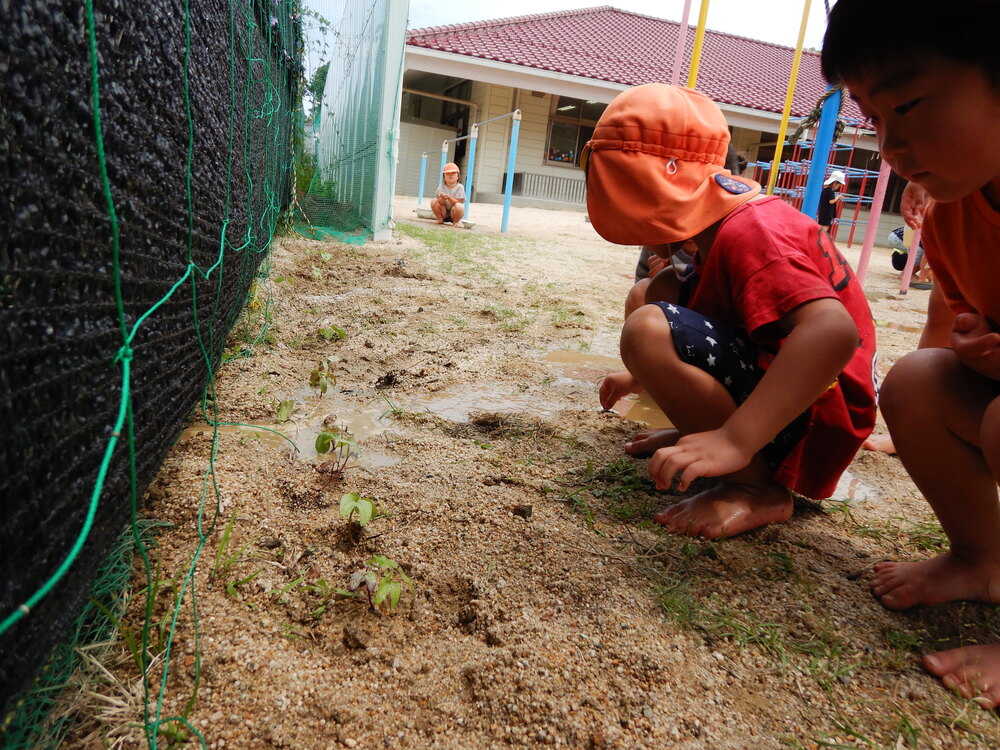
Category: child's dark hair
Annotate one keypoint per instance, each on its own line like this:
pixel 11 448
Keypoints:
pixel 866 35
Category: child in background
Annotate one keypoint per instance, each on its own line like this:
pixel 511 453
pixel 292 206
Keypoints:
pixel 934 101
pixel 762 355
pixel 829 198
pixel 449 204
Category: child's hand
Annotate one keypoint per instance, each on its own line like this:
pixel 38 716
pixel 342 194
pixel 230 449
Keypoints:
pixel 976 344
pixel 913 205
pixel 656 264
pixel 616 386
pixel 703 454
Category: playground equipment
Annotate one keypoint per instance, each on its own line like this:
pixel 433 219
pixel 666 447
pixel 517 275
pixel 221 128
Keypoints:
pixel 471 136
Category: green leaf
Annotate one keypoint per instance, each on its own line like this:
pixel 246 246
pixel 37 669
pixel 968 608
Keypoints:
pixel 394 591
pixel 348 503
pixel 382 591
pixel 285 409
pixel 324 442
pixel 366 508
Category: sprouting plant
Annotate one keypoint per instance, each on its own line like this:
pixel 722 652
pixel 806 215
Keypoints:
pixel 225 558
pixel 352 503
pixel 393 409
pixel 317 274
pixel 383 579
pixel 324 592
pixel 322 377
pixel 339 444
pixel 284 411
pixel 331 332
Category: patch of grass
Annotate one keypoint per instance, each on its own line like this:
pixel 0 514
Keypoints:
pixel 927 536
pixel 622 488
pixel 508 318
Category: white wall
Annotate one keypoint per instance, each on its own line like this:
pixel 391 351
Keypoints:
pixel 414 140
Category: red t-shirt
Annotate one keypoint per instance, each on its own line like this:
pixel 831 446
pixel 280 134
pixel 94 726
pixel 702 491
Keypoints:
pixel 766 260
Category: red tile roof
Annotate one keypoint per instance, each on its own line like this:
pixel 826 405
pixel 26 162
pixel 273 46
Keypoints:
pixel 608 44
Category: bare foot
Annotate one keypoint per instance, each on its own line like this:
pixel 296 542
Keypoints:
pixel 945 578
pixel 974 671
pixel 727 510
pixel 647 442
pixel 439 221
pixel 881 443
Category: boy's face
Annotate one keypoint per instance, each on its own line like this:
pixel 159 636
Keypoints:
pixel 450 178
pixel 937 122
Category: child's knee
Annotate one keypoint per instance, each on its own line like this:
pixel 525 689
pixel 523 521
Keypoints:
pixel 645 329
pixel 918 379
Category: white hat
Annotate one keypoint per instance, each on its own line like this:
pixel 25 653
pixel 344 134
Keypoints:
pixel 835 176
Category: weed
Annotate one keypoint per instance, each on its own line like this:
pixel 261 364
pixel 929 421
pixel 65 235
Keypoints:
pixel 324 592
pixel 233 585
pixel 927 536
pixel 393 410
pixel 508 318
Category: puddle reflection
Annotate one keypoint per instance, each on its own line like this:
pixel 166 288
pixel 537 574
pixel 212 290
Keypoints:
pixel 592 367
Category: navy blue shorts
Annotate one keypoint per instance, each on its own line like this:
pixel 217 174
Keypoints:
pixel 728 355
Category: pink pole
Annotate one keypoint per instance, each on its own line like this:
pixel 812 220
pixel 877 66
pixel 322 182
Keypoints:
pixel 682 32
pixel 911 259
pixel 873 218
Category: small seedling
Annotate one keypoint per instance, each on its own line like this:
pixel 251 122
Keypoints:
pixel 339 445
pixel 322 377
pixel 324 591
pixel 284 411
pixel 332 332
pixel 352 503
pixel 393 410
pixel 383 579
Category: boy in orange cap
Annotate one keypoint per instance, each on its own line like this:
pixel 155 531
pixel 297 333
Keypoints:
pixel 763 355
pixel 449 205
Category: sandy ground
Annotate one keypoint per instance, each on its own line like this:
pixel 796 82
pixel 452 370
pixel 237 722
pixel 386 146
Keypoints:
pixel 545 609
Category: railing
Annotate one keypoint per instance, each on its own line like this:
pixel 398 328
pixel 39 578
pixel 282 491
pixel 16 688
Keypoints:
pixel 549 187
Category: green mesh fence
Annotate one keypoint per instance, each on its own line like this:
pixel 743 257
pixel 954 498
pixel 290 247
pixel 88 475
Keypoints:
pixel 351 147
pixel 147 159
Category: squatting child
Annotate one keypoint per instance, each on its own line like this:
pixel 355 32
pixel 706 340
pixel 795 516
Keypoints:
pixel 763 355
pixel 449 203
pixel 934 101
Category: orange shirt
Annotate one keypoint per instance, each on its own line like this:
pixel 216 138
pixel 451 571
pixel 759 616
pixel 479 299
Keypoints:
pixel 962 242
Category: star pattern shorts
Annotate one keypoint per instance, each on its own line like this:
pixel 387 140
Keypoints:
pixel 728 355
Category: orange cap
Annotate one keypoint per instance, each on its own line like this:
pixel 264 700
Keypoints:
pixel 655 169
pixel 450 167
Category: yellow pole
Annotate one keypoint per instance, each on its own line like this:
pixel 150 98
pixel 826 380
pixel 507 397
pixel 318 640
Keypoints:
pixel 696 51
pixel 773 177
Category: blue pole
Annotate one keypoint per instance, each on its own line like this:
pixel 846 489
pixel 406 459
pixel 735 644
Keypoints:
pixel 510 169
pixel 474 131
pixel 821 154
pixel 423 174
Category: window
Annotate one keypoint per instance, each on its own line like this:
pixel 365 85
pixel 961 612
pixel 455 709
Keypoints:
pixel 570 127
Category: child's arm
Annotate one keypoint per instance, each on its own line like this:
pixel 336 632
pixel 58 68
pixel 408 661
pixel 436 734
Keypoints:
pixel 822 338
